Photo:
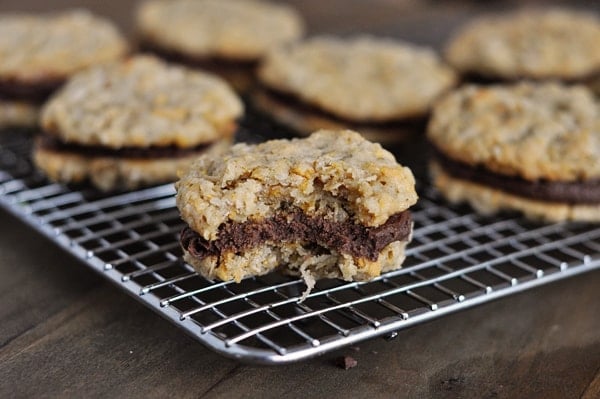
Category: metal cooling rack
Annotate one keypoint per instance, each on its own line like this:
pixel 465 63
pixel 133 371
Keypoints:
pixel 457 259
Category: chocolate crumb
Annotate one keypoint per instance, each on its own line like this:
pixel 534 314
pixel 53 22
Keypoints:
pixel 347 362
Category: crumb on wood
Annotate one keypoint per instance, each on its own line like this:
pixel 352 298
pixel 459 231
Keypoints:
pixel 347 362
pixel 452 383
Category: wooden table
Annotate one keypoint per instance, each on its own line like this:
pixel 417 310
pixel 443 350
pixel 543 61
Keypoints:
pixel 65 332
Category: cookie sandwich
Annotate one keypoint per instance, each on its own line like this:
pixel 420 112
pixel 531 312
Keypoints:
pixel 379 87
pixel 39 52
pixel 225 37
pixel 529 147
pixel 332 205
pixel 134 122
pixel 532 44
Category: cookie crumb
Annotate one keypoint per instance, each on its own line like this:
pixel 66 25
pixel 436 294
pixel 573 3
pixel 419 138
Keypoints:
pixel 347 362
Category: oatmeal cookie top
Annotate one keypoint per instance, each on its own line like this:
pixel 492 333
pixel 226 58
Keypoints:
pixel 529 44
pixel 38 48
pixel 142 102
pixel 546 131
pixel 361 78
pixel 234 29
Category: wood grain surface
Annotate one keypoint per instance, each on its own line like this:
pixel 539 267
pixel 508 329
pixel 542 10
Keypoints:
pixel 66 332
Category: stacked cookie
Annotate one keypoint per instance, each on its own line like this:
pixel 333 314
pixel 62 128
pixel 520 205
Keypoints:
pixel 134 122
pixel 225 37
pixel 531 147
pixel 379 87
pixel 39 53
pixel 332 205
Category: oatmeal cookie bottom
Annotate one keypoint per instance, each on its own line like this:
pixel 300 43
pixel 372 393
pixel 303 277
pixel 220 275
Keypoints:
pixel 18 114
pixel 297 260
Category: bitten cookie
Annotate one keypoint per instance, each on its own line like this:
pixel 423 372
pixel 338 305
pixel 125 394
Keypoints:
pixel 532 44
pixel 332 205
pixel 39 52
pixel 379 86
pixel 531 147
pixel 134 122
pixel 226 37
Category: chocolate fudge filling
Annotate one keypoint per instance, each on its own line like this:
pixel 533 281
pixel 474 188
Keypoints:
pixel 489 80
pixel 295 226
pixel 213 64
pixel 289 100
pixel 576 192
pixel 33 92
pixel 50 143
